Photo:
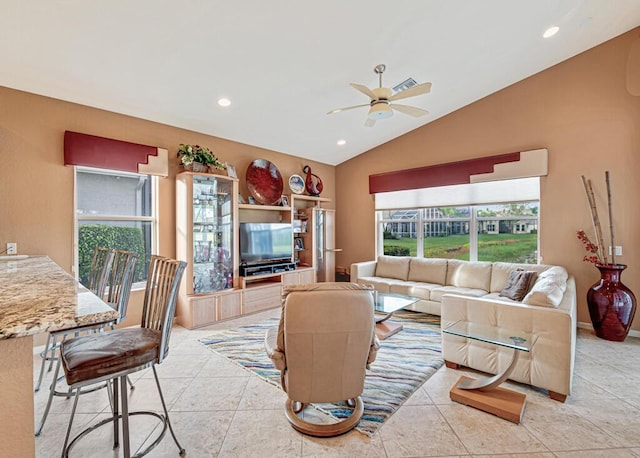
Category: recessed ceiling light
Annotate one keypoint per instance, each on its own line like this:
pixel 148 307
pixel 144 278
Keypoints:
pixel 551 31
pixel 341 142
pixel 224 102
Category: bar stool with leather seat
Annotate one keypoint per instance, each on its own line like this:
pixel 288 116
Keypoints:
pixel 115 354
pixel 120 281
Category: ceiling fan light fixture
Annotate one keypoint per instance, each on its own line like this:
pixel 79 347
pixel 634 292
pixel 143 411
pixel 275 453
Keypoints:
pixel 380 111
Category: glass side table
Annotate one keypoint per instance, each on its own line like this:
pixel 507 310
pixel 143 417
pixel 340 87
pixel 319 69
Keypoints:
pixel 388 303
pixel 484 393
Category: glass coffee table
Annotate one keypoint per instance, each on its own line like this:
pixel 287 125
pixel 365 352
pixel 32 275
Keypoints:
pixel 388 303
pixel 484 393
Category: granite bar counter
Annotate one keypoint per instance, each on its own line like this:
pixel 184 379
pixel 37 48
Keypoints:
pixel 36 296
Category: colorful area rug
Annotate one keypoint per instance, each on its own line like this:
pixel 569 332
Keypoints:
pixel 403 363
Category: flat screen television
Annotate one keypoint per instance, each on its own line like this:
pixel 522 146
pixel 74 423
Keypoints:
pixel 265 242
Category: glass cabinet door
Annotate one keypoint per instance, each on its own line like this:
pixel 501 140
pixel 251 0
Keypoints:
pixel 212 234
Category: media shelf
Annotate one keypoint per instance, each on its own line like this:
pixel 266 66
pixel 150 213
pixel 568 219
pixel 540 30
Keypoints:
pixel 263 207
pixel 264 269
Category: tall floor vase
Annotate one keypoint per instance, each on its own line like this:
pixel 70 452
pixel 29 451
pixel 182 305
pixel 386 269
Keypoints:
pixel 611 304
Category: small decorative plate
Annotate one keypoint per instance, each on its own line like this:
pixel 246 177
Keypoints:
pixel 296 183
pixel 264 182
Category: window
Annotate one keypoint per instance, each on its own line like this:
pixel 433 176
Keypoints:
pixel 116 210
pixel 505 232
pixel 508 232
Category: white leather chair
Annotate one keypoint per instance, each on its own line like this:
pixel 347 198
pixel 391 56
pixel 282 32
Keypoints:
pixel 323 345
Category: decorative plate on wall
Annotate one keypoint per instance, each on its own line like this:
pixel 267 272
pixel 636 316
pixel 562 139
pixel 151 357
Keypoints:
pixel 264 182
pixel 296 183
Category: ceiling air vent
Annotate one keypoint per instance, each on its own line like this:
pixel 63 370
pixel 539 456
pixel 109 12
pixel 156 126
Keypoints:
pixel 406 84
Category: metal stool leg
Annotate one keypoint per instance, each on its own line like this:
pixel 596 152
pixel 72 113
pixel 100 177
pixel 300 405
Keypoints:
pixel 116 434
pixel 65 452
pixel 166 413
pixel 51 393
pixel 125 415
pixel 44 357
pixel 53 348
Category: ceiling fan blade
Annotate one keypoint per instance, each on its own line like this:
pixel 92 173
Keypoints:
pixel 370 122
pixel 338 110
pixel 411 111
pixel 364 89
pixel 423 88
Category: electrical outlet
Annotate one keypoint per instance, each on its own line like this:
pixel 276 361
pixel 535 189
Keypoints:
pixel 618 250
pixel 12 248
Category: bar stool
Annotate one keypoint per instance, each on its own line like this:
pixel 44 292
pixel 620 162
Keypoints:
pixel 120 281
pixel 111 356
pixel 98 277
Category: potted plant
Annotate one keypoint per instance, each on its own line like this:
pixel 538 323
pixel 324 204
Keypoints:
pixel 198 158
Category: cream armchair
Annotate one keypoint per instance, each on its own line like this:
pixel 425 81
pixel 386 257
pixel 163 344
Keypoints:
pixel 323 345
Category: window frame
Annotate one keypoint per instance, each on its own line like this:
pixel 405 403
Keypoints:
pixel 77 218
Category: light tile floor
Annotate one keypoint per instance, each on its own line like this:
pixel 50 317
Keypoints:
pixel 219 409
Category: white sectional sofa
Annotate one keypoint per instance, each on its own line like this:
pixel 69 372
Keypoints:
pixel 470 291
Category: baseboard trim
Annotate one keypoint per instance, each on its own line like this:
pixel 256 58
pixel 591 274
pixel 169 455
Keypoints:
pixel 589 326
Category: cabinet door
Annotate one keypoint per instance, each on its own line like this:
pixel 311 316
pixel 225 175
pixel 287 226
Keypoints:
pixel 212 233
pixel 325 258
pixel 229 305
pixel 262 298
pixel 203 311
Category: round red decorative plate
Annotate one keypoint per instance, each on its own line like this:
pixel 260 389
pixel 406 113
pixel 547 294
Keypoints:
pixel 264 182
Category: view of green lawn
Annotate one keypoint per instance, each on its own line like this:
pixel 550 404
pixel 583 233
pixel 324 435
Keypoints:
pixel 491 247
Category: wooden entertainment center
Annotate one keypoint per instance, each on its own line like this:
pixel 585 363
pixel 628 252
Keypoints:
pixel 208 216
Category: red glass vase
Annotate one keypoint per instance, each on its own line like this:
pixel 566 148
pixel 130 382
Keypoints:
pixel 611 304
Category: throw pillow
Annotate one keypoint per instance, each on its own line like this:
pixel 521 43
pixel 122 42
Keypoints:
pixel 518 284
pixel 547 292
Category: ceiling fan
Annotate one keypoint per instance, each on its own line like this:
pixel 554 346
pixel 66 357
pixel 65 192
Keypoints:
pixel 381 98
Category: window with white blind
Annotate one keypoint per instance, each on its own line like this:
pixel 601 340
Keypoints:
pixel 472 222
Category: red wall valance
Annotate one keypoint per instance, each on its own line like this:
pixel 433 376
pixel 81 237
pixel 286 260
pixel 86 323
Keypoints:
pixel 499 167
pixel 105 153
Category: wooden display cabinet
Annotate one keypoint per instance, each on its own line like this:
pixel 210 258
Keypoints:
pixel 208 218
pixel 206 237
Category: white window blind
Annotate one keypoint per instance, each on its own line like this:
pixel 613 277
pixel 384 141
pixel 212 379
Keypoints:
pixel 491 192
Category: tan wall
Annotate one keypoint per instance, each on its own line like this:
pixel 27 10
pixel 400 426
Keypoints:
pixel 579 110
pixel 36 189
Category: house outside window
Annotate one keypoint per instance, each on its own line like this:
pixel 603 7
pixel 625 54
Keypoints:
pixel 504 232
pixel 116 210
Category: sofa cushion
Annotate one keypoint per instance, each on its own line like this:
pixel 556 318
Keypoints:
pixel 518 284
pixel 393 267
pixel 500 272
pixel 467 274
pixel 428 270
pixel 412 288
pixel 437 293
pixel 378 283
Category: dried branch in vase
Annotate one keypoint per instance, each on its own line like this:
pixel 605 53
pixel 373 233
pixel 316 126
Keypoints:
pixel 598 254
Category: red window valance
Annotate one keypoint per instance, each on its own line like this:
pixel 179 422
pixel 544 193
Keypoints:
pixel 500 167
pixel 105 153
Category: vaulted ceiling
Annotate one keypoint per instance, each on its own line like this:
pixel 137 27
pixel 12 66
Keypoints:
pixel 284 63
